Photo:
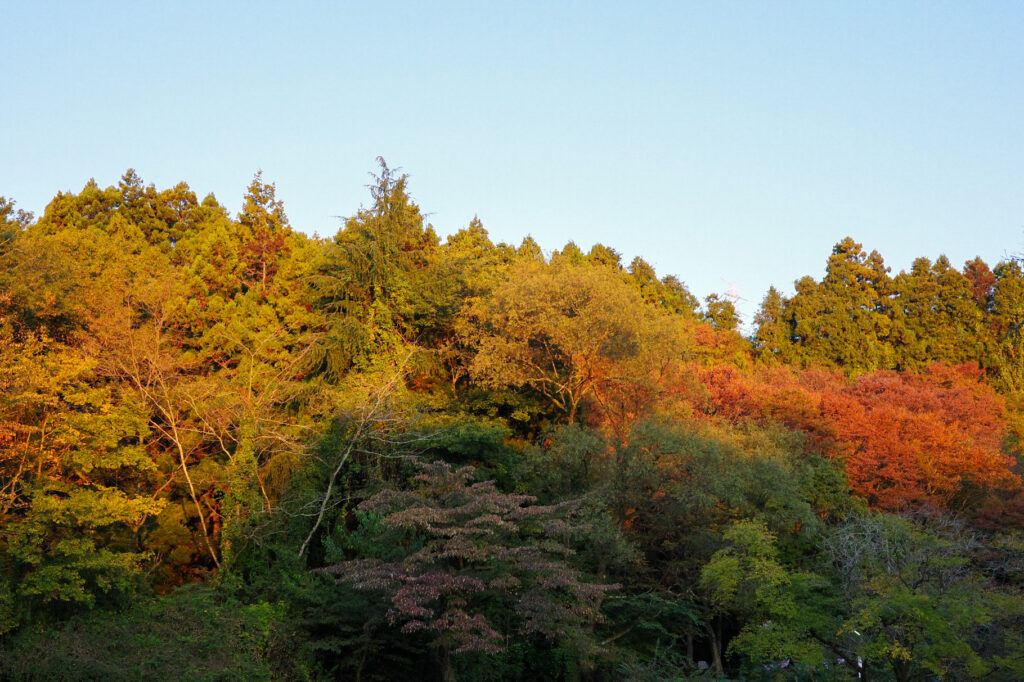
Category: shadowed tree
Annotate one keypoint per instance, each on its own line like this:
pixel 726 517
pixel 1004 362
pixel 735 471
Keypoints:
pixel 460 549
pixel 917 604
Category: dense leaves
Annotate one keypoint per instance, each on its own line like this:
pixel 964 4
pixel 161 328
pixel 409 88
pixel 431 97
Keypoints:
pixel 232 451
pixel 467 549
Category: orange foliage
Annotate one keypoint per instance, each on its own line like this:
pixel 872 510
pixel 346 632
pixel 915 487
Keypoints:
pixel 732 394
pixel 777 394
pixel 906 439
pixel 713 346
pixel 913 439
pixel 677 365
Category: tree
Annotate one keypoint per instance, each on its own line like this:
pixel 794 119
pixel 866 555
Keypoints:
pixel 473 266
pixel 721 313
pixel 1007 320
pixel 668 292
pixel 675 490
pixel 378 280
pixel 982 282
pixel 844 321
pixel 158 218
pixel 605 255
pixel 376 427
pixel 916 602
pixel 12 223
pixel 914 439
pixel 74 480
pixel 453 549
pixel 772 328
pixel 938 317
pixel 267 231
pixel 559 329
pixel 746 578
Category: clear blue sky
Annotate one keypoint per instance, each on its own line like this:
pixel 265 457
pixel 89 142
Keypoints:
pixel 730 144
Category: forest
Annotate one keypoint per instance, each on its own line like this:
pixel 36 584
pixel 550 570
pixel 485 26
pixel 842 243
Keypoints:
pixel 229 450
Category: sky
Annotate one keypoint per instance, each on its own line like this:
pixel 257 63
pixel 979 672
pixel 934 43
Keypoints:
pixel 730 144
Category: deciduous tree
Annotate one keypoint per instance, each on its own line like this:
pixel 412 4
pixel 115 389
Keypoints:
pixel 457 548
pixel 913 439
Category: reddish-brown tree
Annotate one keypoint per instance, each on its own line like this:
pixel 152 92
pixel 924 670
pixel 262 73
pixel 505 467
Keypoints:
pixel 471 547
pixel 914 439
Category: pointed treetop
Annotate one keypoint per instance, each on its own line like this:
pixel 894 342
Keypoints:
pixel 261 209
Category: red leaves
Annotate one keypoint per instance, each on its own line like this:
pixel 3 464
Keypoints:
pixel 911 439
pixel 777 394
pixel 907 439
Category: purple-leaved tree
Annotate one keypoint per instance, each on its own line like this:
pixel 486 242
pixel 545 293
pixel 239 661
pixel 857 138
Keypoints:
pixel 473 550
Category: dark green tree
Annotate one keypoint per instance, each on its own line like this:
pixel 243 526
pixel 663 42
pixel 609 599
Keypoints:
pixel 845 320
pixel 937 316
pixel 379 280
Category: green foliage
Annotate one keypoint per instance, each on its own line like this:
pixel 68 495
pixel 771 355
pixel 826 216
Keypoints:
pixel 56 549
pixel 746 578
pixel 772 333
pixel 669 292
pixel 188 396
pixel 844 321
pixel 380 281
pixel 195 634
pixel 653 630
pixel 721 313
pixel 859 319
pixel 484 445
pixel 938 316
pixel 1008 318
pixel 569 465
pixel 917 602
pixel 70 505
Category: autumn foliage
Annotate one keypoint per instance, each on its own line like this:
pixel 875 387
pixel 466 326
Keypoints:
pixel 388 455
pixel 906 439
pixel 910 439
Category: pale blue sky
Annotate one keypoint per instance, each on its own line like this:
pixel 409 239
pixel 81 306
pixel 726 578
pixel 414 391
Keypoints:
pixel 730 144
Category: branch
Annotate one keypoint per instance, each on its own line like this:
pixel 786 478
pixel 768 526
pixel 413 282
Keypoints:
pixel 361 427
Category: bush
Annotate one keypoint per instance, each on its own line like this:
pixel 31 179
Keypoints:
pixel 196 633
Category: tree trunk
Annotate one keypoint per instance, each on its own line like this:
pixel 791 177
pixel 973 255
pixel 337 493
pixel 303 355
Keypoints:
pixel 901 669
pixel 362 664
pixel 447 670
pixel 716 647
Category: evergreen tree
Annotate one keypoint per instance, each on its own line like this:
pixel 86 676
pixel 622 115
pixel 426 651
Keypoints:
pixel 845 321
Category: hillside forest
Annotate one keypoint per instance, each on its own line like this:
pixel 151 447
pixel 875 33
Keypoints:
pixel 229 450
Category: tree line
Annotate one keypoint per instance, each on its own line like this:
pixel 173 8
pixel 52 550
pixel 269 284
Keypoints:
pixel 229 450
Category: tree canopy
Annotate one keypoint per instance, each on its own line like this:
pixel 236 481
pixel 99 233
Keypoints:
pixel 229 450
